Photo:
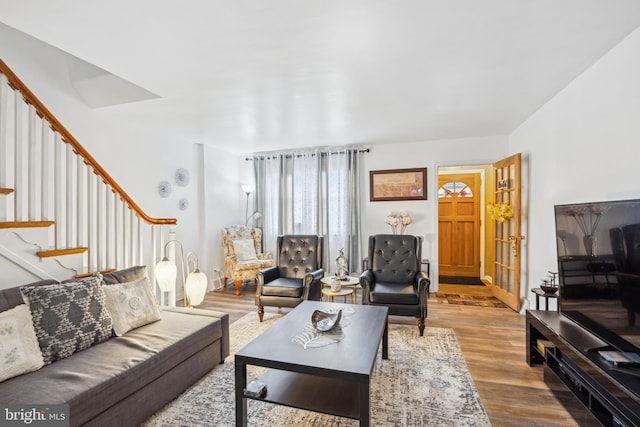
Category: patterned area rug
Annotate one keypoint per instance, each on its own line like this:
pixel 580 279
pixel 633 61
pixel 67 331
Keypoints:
pixel 477 300
pixel 425 382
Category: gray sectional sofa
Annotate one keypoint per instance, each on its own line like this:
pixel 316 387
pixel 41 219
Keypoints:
pixel 125 379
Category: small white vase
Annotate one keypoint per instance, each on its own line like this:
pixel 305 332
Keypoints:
pixel 590 244
pixel 335 284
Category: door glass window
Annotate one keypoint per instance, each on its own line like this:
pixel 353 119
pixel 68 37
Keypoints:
pixel 455 188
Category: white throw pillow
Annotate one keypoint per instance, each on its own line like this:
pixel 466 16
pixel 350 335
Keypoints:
pixel 19 349
pixel 245 249
pixel 131 305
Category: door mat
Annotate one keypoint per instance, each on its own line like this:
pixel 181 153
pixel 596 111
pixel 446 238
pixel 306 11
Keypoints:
pixel 460 280
pixel 475 300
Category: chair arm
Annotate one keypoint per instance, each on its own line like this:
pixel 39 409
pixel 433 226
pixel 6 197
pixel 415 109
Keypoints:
pixel 423 283
pixel 311 284
pixel 269 274
pixel 266 275
pixel 366 280
pixel 266 255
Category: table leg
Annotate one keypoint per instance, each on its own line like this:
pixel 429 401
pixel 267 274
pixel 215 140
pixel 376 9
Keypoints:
pixel 241 401
pixel 537 302
pixel 546 304
pixel 365 410
pixel 385 339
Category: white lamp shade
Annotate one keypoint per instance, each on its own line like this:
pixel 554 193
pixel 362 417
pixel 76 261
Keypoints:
pixel 166 273
pixel 196 287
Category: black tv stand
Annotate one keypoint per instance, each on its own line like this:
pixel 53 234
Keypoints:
pixel 599 348
pixel 631 369
pixel 589 387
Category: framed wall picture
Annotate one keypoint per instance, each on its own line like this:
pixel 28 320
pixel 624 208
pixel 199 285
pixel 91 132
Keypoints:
pixel 398 184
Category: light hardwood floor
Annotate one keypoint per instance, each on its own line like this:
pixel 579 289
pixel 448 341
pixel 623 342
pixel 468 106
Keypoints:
pixel 492 342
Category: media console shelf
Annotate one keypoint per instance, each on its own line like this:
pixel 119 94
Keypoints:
pixel 578 377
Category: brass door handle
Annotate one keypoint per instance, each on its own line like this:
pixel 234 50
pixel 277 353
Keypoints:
pixel 514 243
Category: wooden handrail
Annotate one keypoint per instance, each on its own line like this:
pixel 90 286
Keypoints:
pixel 45 114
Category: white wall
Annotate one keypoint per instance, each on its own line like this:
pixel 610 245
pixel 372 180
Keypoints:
pixel 139 147
pixel 429 154
pixel 583 145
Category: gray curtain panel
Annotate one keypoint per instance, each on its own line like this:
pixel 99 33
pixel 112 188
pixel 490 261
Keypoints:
pixel 312 192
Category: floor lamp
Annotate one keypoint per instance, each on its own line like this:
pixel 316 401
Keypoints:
pixel 248 189
pixel 194 282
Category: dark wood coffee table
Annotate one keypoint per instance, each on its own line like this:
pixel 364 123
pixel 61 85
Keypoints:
pixel 334 379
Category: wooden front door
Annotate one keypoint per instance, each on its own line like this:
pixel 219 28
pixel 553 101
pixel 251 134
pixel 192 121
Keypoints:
pixel 459 225
pixel 507 235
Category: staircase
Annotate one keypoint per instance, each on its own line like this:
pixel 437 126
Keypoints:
pixel 61 213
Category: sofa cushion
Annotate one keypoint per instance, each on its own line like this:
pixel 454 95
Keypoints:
pixel 394 293
pixel 124 276
pixel 19 349
pixel 68 317
pixel 100 377
pixel 283 287
pixel 131 305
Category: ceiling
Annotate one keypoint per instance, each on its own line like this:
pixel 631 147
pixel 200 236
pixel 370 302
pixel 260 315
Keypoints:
pixel 257 75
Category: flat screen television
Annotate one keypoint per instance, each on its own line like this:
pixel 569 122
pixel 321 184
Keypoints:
pixel 598 247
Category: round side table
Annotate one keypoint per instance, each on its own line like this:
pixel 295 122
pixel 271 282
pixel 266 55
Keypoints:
pixel 347 282
pixel 343 292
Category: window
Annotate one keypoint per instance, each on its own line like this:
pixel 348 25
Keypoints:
pixel 455 188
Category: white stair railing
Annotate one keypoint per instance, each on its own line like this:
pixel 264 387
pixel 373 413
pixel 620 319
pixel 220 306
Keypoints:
pixel 54 178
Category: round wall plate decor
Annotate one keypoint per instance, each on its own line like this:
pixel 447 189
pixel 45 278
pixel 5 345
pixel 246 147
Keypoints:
pixel 164 189
pixel 183 204
pixel 182 177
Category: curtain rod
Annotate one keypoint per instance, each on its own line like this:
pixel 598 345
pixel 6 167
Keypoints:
pixel 324 153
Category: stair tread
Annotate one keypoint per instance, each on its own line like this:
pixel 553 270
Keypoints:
pixel 6 190
pixel 58 252
pixel 25 224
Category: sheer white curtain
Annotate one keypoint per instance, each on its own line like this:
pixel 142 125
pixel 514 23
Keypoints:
pixel 312 192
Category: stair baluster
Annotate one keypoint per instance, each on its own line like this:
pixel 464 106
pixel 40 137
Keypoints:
pixel 52 179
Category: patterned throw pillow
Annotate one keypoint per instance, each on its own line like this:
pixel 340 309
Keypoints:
pixel 131 305
pixel 245 249
pixel 68 317
pixel 19 349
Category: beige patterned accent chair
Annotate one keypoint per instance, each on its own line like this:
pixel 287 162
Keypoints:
pixel 243 257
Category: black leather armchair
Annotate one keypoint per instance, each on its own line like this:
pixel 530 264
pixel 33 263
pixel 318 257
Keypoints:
pixel 394 278
pixel 296 275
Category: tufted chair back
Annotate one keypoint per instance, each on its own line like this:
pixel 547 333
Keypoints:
pixel 395 258
pixel 299 255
